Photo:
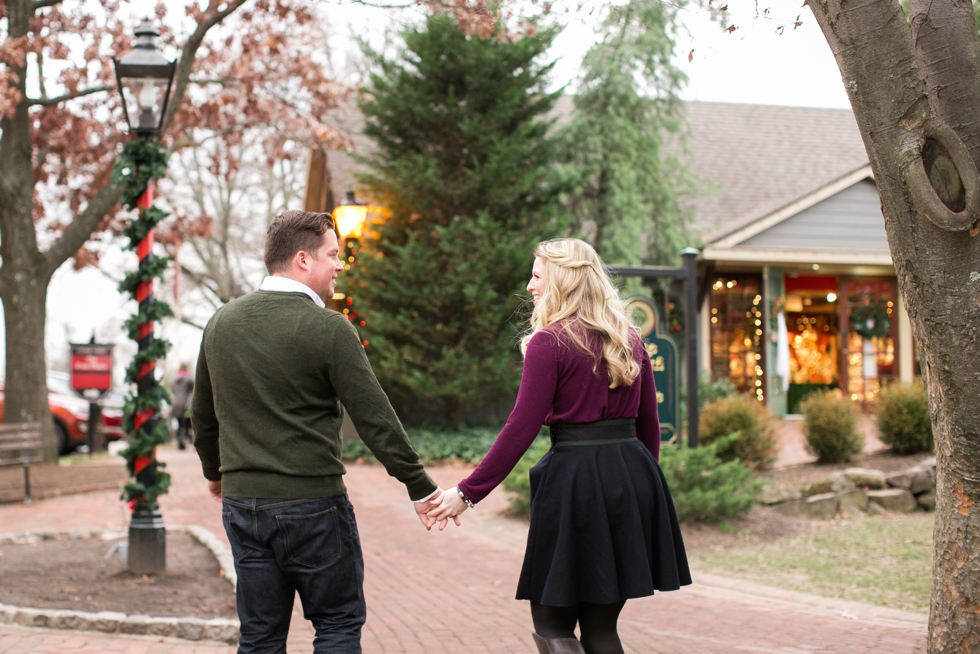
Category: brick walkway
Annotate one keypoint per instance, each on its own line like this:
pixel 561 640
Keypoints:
pixel 468 574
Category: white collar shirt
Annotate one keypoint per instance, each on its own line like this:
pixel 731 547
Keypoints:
pixel 287 285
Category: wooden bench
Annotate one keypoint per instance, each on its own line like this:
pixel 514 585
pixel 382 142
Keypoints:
pixel 25 439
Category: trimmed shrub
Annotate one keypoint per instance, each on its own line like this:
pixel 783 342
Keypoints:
pixel 706 488
pixel 712 390
pixel 754 441
pixel 903 418
pixel 466 445
pixel 518 482
pixel 830 427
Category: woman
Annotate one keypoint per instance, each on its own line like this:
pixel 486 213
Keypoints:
pixel 603 527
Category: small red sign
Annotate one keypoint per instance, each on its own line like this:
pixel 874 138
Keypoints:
pixel 91 367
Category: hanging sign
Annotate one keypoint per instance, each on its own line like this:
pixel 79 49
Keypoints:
pixel 91 367
pixel 664 359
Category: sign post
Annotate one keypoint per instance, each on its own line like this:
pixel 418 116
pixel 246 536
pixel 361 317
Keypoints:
pixel 91 378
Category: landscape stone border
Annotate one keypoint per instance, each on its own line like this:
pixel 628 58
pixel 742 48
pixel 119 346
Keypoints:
pixel 856 489
pixel 216 629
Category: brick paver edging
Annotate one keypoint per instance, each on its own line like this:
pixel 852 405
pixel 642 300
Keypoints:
pixel 828 605
pixel 110 622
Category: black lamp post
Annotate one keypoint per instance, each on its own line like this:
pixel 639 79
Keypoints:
pixel 145 77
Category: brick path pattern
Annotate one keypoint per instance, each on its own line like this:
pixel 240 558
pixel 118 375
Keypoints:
pixel 470 574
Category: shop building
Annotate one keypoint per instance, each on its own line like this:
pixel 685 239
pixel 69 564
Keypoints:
pixel 799 290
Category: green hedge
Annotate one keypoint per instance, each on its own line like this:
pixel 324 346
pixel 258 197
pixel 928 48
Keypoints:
pixel 903 418
pixel 704 487
pixel 466 445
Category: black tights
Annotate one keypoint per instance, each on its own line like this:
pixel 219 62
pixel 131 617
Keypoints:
pixel 597 623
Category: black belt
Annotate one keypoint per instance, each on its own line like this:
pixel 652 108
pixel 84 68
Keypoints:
pixel 604 432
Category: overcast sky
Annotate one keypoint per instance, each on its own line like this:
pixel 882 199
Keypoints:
pixel 753 65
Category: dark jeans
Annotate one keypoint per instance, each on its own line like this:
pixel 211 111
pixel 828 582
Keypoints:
pixel 283 546
pixel 183 432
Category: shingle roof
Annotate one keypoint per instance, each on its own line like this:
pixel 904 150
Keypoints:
pixel 753 158
pixel 761 158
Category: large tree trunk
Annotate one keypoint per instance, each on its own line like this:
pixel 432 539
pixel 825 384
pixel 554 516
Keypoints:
pixel 24 274
pixel 906 94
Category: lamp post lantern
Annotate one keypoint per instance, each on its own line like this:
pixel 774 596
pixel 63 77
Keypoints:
pixel 145 78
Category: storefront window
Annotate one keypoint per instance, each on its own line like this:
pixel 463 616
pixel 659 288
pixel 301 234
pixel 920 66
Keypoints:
pixel 864 382
pixel 736 332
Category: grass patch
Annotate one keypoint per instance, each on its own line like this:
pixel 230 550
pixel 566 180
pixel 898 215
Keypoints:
pixel 881 560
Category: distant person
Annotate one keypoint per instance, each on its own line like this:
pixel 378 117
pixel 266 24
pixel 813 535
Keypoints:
pixel 180 395
pixel 603 527
pixel 274 368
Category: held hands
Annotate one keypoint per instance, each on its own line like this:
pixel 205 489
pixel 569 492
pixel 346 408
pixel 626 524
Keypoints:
pixel 448 505
pixel 422 509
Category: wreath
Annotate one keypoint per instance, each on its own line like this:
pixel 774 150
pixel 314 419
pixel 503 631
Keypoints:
pixel 871 321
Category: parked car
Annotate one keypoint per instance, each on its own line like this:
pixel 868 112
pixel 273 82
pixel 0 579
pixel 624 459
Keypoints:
pixel 70 414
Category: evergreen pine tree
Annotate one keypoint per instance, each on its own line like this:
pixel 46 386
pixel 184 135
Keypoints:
pixel 463 162
pixel 628 182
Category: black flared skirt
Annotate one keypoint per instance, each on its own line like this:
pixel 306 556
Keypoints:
pixel 603 526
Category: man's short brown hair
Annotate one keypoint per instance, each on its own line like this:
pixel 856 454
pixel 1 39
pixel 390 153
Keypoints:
pixel 292 231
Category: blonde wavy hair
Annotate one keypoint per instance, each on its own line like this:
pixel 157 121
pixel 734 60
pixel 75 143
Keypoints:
pixel 579 295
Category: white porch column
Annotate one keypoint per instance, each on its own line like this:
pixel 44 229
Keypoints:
pixel 905 345
pixel 705 334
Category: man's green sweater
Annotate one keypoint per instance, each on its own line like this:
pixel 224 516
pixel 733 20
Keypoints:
pixel 273 371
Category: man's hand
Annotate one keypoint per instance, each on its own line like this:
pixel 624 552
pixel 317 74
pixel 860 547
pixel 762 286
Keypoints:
pixel 422 509
pixel 447 506
pixel 214 487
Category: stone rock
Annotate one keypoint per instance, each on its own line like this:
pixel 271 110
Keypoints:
pixel 161 627
pixel 225 631
pixel 822 506
pixel 900 479
pixel 794 509
pixel 821 487
pixel 31 618
pixel 866 477
pixel 928 463
pixel 923 480
pixel 134 624
pixel 190 628
pixel 894 499
pixel 839 481
pixel 107 621
pixel 853 500
pixel 926 501
pixel 777 494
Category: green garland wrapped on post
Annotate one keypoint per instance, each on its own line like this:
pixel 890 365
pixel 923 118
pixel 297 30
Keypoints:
pixel 141 162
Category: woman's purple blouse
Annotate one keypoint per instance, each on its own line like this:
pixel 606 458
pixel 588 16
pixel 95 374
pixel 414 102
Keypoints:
pixel 559 387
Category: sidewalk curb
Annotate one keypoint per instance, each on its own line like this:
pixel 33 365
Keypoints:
pixel 196 629
pixel 844 608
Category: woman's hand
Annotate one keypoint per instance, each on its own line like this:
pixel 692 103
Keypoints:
pixel 450 505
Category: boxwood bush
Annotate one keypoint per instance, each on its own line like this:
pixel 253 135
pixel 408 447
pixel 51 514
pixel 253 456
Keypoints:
pixel 518 482
pixel 705 487
pixel 754 441
pixel 465 444
pixel 903 418
pixel 830 427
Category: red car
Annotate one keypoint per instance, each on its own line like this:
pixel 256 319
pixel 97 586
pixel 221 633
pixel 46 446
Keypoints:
pixel 70 414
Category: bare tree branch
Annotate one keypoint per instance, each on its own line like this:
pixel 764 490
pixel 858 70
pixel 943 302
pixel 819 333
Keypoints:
pixel 81 228
pixel 188 321
pixel 188 53
pixel 50 102
pixel 41 4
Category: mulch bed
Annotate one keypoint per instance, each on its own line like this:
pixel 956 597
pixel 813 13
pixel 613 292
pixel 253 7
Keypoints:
pixel 75 575
pixel 50 480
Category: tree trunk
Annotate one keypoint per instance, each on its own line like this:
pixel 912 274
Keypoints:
pixel 24 275
pixel 929 189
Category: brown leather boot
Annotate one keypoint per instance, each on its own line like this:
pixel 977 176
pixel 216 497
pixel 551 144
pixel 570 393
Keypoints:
pixel 558 645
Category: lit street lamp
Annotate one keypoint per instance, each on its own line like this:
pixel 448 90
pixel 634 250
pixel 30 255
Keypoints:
pixel 351 216
pixel 145 78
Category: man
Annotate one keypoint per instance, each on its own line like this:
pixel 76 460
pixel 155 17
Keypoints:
pixel 180 395
pixel 274 368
